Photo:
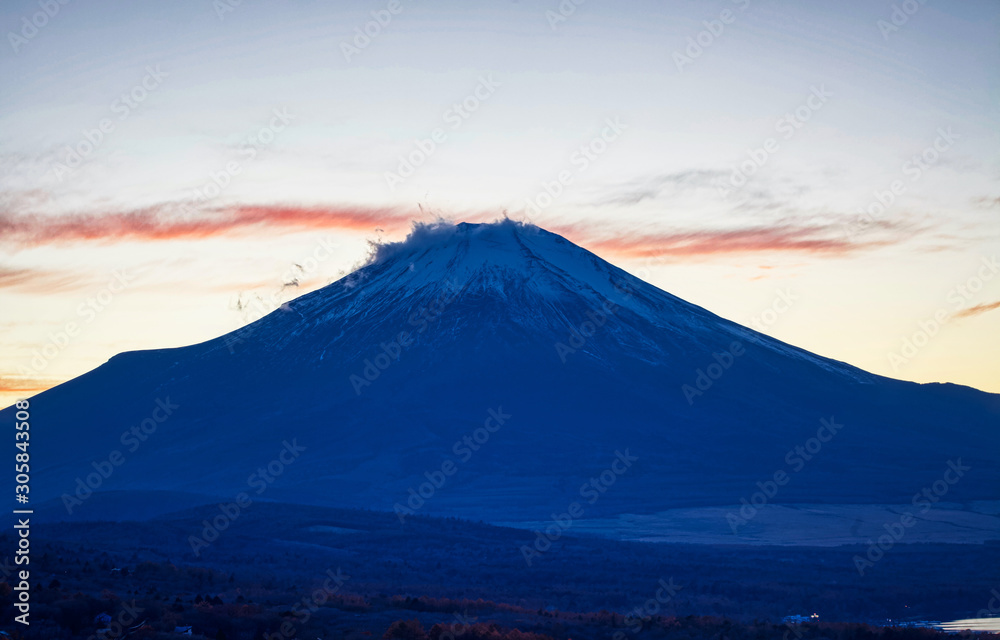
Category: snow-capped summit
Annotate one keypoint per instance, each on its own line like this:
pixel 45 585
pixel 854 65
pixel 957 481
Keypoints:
pixel 509 276
pixel 484 256
pixel 503 255
pixel 438 252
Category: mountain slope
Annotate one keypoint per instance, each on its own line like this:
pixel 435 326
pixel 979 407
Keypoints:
pixel 381 377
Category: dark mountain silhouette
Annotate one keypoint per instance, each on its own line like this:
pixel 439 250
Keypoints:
pixel 509 366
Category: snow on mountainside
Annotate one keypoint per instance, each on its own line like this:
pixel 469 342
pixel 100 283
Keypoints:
pixel 384 374
pixel 527 268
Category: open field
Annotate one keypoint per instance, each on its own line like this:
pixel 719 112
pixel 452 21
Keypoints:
pixel 804 525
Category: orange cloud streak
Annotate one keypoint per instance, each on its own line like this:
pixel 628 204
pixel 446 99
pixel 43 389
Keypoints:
pixel 803 239
pixel 11 391
pixel 976 310
pixel 39 280
pixel 166 223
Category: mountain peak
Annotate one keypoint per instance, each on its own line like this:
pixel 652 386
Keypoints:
pixel 472 240
pixel 504 250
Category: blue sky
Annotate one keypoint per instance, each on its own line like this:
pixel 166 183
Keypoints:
pixel 240 138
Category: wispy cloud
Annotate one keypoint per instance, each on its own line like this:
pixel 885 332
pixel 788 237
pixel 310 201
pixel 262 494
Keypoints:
pixel 650 188
pixel 825 239
pixel 27 280
pixel 806 234
pixel 978 309
pixel 987 202
pixel 24 387
pixel 172 222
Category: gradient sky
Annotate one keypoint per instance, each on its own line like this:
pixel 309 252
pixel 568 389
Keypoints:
pixel 123 235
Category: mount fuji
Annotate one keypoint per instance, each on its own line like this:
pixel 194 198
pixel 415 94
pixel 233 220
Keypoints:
pixel 500 372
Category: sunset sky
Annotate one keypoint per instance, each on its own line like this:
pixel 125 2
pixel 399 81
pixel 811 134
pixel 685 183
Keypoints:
pixel 828 173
